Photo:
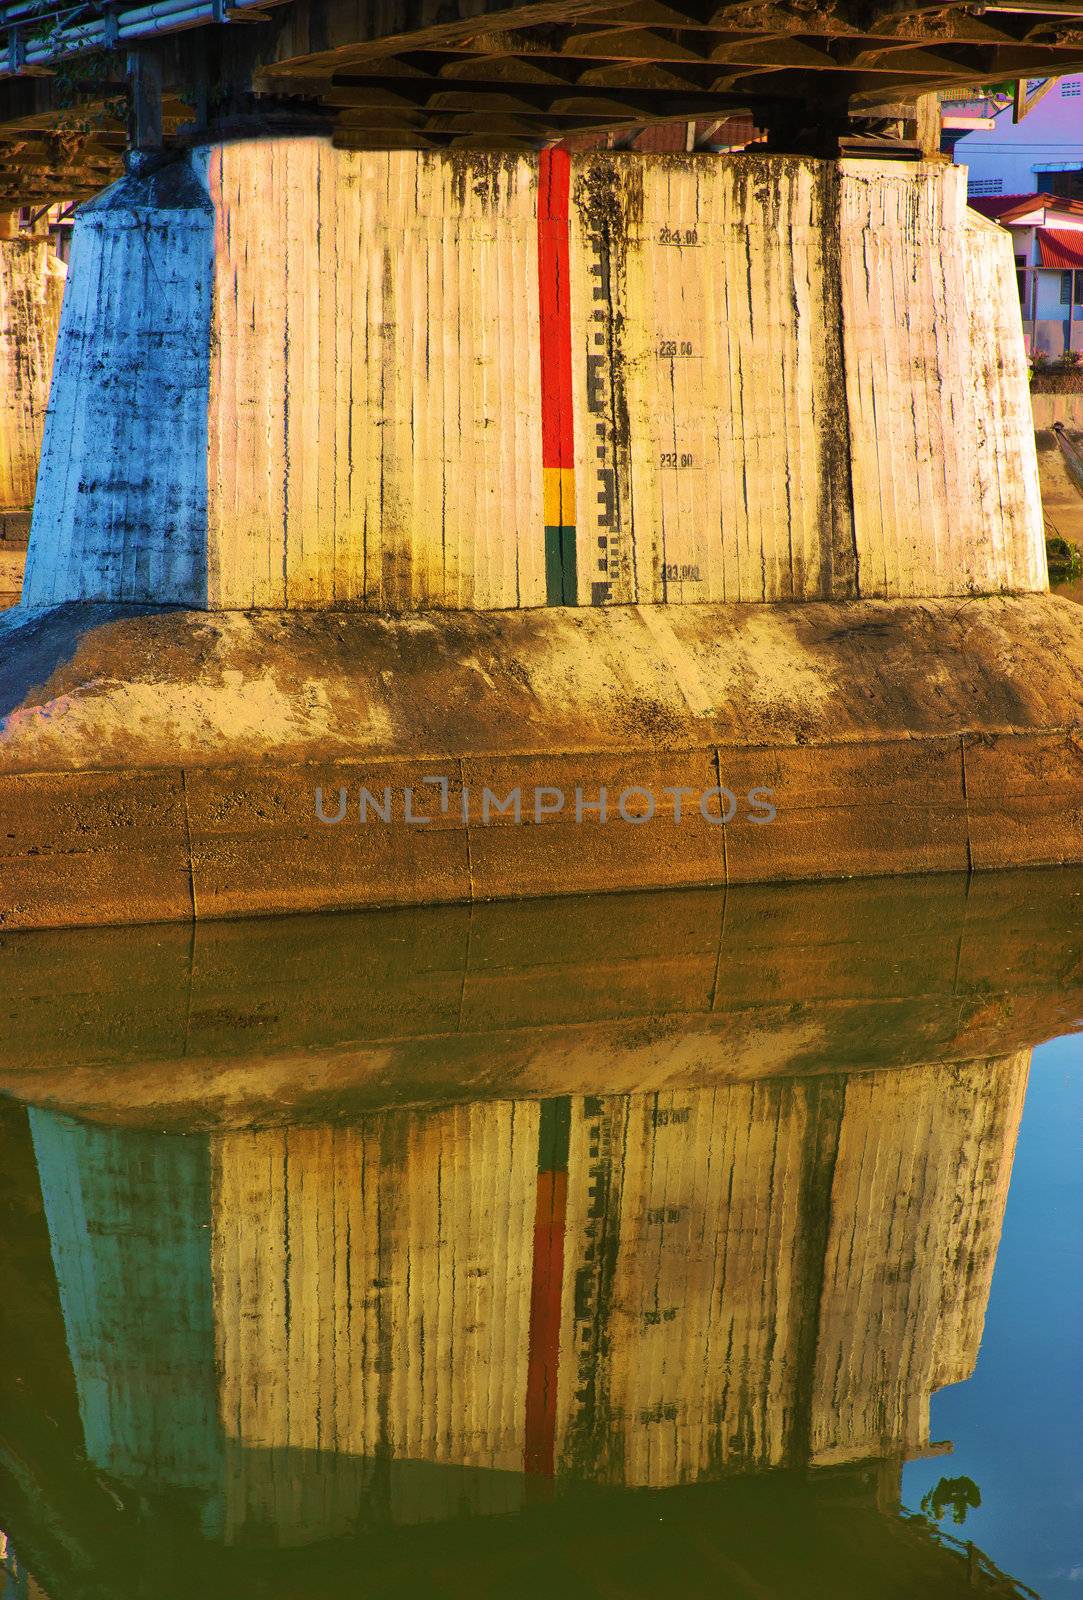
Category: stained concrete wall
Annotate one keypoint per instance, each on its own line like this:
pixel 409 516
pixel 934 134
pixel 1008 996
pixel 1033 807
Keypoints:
pixel 12 562
pixel 31 290
pixel 945 479
pixel 393 380
pixel 375 390
pixel 1064 408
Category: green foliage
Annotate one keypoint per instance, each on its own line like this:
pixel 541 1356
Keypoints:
pixel 75 80
pixel 1067 361
pixel 957 1494
pixel 75 77
pixel 1065 560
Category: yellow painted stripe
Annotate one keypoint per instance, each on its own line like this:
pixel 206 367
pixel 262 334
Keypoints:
pixel 559 493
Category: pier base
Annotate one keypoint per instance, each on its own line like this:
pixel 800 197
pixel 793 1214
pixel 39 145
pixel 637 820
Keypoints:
pixel 160 766
pixel 318 378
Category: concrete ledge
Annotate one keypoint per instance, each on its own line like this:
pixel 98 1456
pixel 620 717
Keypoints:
pixel 160 766
pixel 15 527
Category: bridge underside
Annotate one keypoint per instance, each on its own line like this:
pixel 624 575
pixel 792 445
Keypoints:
pixel 824 79
pixel 811 75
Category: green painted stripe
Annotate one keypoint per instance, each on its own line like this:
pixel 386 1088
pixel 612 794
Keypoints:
pixel 554 1132
pixel 560 566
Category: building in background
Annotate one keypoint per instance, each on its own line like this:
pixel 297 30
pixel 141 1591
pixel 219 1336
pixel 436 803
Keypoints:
pixel 1047 237
pixel 1025 170
pixel 58 221
pixel 1042 152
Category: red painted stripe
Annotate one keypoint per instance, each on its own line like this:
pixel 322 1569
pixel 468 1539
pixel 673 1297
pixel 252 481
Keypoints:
pixel 554 180
pixel 545 1299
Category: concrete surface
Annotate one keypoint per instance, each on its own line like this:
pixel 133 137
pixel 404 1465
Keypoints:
pixel 160 766
pixel 31 290
pixel 291 375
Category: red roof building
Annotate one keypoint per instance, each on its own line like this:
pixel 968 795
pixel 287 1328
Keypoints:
pixel 1047 241
pixel 1060 249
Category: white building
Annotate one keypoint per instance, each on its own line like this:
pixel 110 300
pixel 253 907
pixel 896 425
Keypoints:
pixel 1047 235
pixel 1041 153
pixel 1028 176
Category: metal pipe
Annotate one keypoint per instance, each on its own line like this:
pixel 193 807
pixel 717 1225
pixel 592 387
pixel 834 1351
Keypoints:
pixel 90 36
pixel 1071 307
pixel 139 22
pixel 27 12
pixel 162 11
pixel 183 17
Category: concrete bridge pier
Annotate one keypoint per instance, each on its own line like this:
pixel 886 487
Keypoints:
pixel 532 475
pixel 327 378
pixel 31 290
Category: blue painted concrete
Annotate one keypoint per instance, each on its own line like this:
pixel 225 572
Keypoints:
pixel 121 507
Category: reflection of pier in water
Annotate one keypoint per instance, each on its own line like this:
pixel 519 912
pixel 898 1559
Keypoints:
pixel 430 1311
pixel 330 1236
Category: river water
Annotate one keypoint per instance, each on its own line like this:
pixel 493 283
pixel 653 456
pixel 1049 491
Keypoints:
pixel 676 1244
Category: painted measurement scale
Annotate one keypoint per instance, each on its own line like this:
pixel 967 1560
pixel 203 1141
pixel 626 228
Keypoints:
pixel 558 446
pixel 673 409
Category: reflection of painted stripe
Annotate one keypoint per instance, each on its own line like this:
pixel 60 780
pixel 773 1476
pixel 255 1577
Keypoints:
pixel 546 1287
pixel 558 457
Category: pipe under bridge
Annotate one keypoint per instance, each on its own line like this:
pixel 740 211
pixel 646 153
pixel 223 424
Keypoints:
pixel 443 498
